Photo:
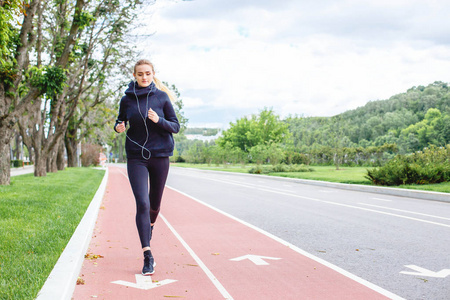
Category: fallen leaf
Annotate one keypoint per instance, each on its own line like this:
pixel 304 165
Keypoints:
pixel 93 256
pixel 215 253
pixel 80 281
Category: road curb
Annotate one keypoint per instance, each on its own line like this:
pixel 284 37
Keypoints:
pixel 419 194
pixel 61 282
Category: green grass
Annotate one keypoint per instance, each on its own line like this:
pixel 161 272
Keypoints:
pixel 38 215
pixel 443 187
pixel 228 168
pixel 352 175
pixel 325 173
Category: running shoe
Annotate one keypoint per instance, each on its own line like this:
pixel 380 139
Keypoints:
pixel 149 265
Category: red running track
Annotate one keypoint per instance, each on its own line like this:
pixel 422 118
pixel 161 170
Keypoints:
pixel 201 253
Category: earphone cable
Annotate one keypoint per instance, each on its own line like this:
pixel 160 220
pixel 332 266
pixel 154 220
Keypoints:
pixel 145 124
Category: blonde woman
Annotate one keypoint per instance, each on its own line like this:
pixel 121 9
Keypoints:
pixel 147 109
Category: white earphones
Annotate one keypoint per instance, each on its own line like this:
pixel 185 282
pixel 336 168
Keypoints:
pixel 145 124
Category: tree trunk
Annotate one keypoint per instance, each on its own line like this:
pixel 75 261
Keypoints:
pixel 30 153
pixel 52 163
pixel 60 161
pixel 5 162
pixel 51 160
pixel 39 164
pixel 40 159
pixel 7 131
pixel 16 147
pixel 71 149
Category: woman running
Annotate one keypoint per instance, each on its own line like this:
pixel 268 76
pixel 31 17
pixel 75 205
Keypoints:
pixel 147 109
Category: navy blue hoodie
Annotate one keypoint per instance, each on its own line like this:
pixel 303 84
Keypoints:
pixel 160 139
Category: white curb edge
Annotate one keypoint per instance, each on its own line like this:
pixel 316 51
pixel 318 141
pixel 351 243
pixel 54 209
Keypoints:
pixel 61 282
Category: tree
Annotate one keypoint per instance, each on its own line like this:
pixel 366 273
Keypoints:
pixel 81 52
pixel 14 98
pixel 275 153
pixel 337 139
pixel 8 10
pixel 256 130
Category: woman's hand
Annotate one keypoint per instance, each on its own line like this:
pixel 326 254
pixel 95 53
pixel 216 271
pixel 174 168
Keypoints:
pixel 120 127
pixel 152 115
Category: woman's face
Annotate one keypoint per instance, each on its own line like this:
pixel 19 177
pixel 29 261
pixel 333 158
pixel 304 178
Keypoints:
pixel 144 75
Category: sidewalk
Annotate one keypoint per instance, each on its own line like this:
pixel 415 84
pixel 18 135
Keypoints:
pixel 201 253
pixel 22 170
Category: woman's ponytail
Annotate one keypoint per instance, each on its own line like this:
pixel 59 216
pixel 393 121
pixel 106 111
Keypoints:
pixel 160 86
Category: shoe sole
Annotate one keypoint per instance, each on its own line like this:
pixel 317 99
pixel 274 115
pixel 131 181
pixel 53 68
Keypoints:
pixel 148 274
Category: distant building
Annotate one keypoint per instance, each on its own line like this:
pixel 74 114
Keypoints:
pixel 204 138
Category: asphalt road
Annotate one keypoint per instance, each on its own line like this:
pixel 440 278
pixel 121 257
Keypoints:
pixel 400 244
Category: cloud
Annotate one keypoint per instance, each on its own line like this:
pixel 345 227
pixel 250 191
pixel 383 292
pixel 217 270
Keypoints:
pixel 190 102
pixel 315 58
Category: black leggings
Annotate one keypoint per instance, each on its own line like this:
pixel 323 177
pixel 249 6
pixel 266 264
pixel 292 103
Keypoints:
pixel 147 202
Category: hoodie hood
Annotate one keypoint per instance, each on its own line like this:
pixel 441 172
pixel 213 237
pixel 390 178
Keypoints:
pixel 134 89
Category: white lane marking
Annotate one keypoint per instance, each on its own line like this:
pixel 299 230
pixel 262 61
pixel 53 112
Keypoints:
pixel 258 260
pixel 120 171
pixel 274 190
pixel 144 282
pixel 426 273
pixel 298 250
pixel 205 269
pixel 406 211
pixel 379 199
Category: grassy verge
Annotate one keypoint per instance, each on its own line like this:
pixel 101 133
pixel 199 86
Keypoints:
pixel 38 215
pixel 352 175
pixel 443 187
pixel 230 168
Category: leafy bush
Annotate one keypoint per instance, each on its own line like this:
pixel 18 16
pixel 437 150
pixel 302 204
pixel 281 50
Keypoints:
pixel 292 157
pixel 90 155
pixel 180 159
pixel 423 167
pixel 256 170
pixel 279 168
pixel 17 163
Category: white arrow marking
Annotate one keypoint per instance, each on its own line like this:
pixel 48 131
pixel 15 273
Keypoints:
pixel 426 273
pixel 256 259
pixel 144 282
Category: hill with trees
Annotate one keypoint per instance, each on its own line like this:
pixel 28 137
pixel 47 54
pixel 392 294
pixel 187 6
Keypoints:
pixel 411 120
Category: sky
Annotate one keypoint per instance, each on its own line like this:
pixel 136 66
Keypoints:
pixel 231 59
